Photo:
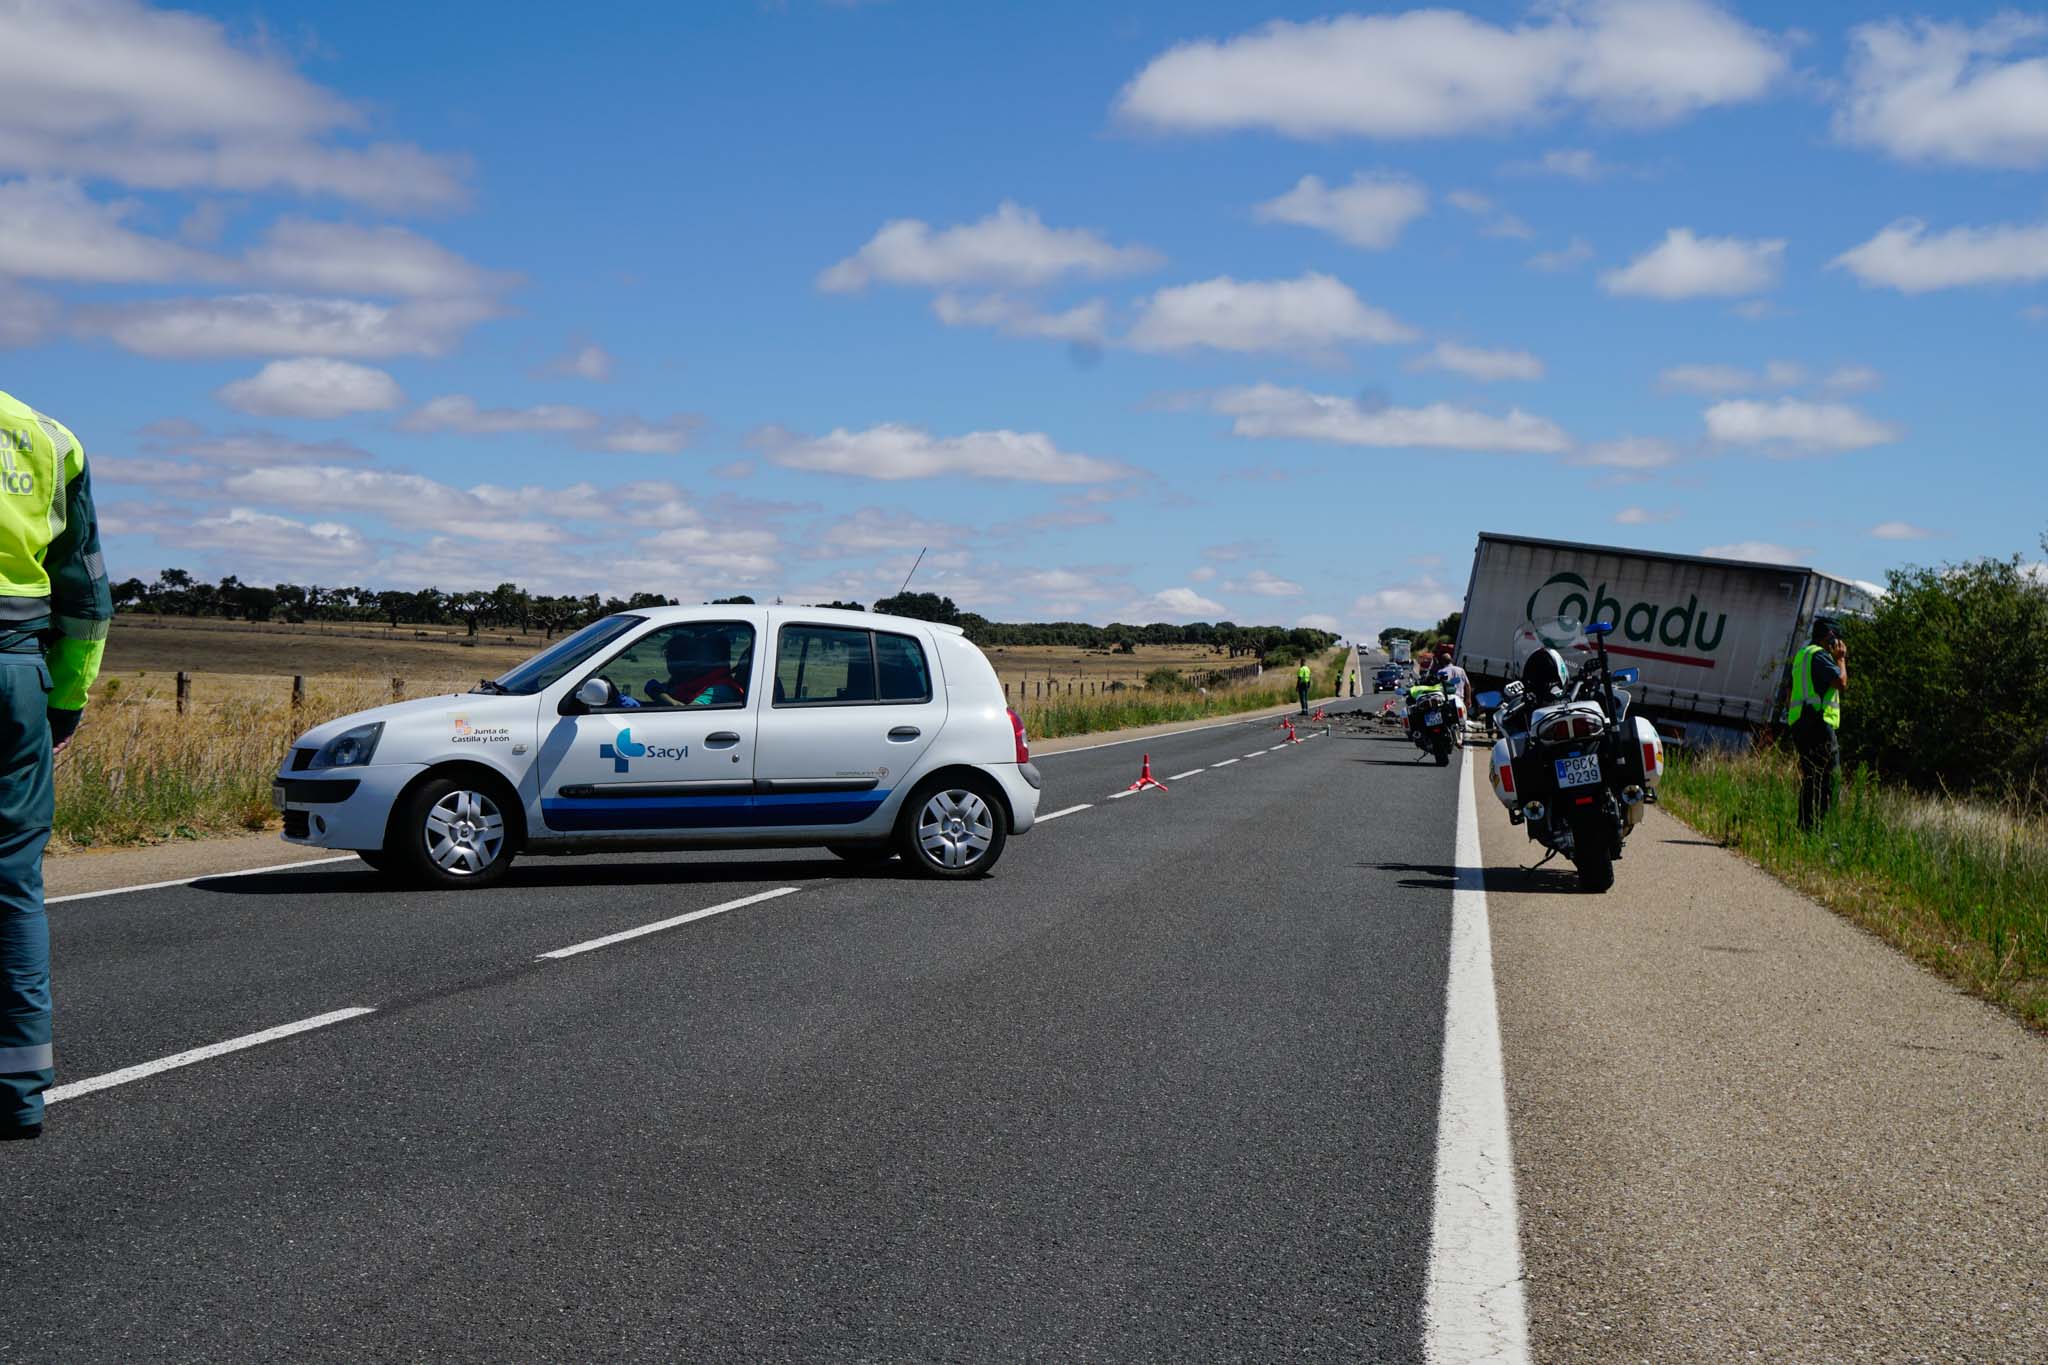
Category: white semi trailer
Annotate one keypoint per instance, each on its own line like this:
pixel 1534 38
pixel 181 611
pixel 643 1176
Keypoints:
pixel 1711 637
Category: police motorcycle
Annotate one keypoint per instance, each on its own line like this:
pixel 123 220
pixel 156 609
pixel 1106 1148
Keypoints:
pixel 1573 765
pixel 1435 718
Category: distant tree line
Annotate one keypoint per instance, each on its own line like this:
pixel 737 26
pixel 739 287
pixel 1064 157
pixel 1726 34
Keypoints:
pixel 1444 632
pixel 511 607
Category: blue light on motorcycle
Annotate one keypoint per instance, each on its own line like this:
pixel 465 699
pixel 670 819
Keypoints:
pixel 1627 675
pixel 1599 627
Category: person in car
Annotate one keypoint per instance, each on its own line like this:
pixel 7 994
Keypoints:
pixel 699 673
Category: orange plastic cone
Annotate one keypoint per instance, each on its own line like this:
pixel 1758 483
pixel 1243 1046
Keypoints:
pixel 1292 738
pixel 1145 778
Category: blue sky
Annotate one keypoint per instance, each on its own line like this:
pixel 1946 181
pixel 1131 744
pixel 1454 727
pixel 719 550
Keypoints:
pixel 1176 311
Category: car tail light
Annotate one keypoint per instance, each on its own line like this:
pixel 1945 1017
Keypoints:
pixel 1023 740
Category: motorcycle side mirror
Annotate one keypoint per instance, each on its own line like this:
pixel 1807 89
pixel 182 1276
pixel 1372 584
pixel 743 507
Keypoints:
pixel 1627 675
pixel 1489 700
pixel 1599 627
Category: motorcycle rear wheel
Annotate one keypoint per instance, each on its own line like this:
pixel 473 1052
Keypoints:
pixel 1596 869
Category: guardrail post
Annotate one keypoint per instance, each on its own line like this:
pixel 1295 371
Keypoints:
pixel 184 690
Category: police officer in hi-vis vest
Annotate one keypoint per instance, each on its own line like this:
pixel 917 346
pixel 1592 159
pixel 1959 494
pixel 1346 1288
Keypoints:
pixel 54 609
pixel 1304 677
pixel 1819 673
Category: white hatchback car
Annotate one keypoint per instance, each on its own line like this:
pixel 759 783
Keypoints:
pixel 683 727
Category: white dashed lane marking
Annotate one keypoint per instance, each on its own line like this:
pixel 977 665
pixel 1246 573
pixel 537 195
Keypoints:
pixel 1223 763
pixel 1070 810
pixel 591 945
pixel 1189 773
pixel 143 1070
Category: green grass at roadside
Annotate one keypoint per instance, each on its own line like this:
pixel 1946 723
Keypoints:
pixel 1961 887
pixel 1059 717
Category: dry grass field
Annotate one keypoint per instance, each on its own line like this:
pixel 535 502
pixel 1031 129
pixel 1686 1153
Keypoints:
pixel 242 660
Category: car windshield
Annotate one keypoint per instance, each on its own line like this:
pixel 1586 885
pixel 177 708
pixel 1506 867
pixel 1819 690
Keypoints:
pixel 551 663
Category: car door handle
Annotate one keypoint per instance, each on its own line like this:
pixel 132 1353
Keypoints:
pixel 721 739
pixel 903 734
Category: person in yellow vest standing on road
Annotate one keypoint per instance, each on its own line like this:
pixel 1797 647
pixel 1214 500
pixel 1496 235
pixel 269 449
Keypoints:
pixel 54 610
pixel 1352 680
pixel 1819 673
pixel 1304 677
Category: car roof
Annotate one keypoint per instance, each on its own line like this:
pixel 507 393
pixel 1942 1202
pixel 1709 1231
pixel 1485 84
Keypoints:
pixel 824 616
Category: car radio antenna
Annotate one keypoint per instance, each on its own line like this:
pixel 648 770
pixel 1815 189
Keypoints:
pixel 913 569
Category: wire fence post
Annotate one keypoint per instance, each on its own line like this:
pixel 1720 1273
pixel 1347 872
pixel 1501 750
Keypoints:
pixel 184 690
pixel 298 691
pixel 398 689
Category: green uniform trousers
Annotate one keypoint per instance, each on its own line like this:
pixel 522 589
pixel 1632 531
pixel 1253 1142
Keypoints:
pixel 27 806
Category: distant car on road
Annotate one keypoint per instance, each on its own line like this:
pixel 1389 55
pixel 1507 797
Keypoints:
pixel 1387 679
pixel 683 727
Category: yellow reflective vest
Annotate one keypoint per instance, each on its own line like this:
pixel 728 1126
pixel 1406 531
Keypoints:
pixel 1803 695
pixel 52 578
pixel 1304 674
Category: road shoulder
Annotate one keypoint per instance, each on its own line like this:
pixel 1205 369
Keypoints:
pixel 1744 1128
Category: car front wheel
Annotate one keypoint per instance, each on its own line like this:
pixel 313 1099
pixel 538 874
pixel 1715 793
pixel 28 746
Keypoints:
pixel 451 832
pixel 954 829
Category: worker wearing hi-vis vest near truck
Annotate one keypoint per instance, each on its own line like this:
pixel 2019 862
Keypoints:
pixel 1303 677
pixel 1819 673
pixel 54 609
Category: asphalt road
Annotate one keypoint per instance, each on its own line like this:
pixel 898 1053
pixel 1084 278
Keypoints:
pixel 1164 1085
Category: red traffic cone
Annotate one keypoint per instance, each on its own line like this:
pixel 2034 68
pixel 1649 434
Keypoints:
pixel 1145 778
pixel 1319 715
pixel 1292 738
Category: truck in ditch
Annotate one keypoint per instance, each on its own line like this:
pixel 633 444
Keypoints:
pixel 1710 637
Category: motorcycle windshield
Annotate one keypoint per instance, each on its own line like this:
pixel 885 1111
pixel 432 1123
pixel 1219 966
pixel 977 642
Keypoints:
pixel 1565 634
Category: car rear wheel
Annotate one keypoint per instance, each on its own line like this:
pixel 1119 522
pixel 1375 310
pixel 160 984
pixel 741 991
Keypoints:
pixel 451 832
pixel 953 828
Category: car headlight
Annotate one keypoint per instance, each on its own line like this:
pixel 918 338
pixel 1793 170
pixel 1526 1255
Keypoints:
pixel 350 748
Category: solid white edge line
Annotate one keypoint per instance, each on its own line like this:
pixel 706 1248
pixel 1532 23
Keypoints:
pixel 1474 1308
pixel 591 945
pixel 202 877
pixel 1223 762
pixel 1189 773
pixel 1070 810
pixel 200 1054
pixel 1169 734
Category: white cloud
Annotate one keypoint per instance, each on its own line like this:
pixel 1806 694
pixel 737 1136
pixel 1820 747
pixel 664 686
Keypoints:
pixel 1793 426
pixel 459 412
pixel 1852 379
pixel 1084 323
pixel 1317 620
pixel 1438 72
pixel 159 99
pixel 1498 224
pixel 341 258
pixel 312 386
pixel 1644 516
pixel 1564 258
pixel 1634 453
pixel 1268 410
pixel 871 530
pixel 411 501
pixel 1476 363
pixel 1178 604
pixel 274 324
pixel 1763 551
pixel 1905 258
pixel 25 315
pixel 1370 212
pixel 1900 530
pixel 630 435
pixel 1202 573
pixel 1569 163
pixel 2033 312
pixel 1710 379
pixel 1009 247
pixel 1420 602
pixel 1928 91
pixel 1264 584
pixel 247 447
pixel 589 361
pixel 51 230
pixel 1684 266
pixel 262 539
pixel 893 450
pixel 1311 314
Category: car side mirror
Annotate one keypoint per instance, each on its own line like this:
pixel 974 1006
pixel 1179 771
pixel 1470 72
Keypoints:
pixel 594 693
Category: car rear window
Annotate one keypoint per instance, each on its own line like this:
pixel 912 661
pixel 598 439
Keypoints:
pixel 844 666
